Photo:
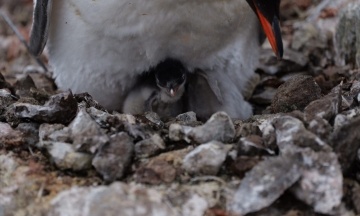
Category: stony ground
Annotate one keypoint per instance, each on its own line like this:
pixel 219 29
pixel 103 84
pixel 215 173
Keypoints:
pixel 63 154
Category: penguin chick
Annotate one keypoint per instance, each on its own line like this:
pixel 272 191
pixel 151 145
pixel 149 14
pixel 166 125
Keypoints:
pixel 160 90
pixel 170 77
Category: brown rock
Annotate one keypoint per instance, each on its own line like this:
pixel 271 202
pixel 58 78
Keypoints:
pixel 295 94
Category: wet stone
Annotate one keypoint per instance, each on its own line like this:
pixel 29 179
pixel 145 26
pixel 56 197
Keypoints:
pixel 61 108
pixel 205 159
pixel 149 147
pixel 65 157
pixel 113 158
pixel 219 127
pixel 295 94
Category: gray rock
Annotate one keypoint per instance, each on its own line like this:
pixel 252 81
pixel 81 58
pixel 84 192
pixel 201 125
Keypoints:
pixel 53 132
pixel 149 147
pixel 219 127
pixel 321 182
pixel 326 107
pixel 113 158
pixel 65 157
pixel 23 86
pixel 6 98
pixel 86 134
pixel 347 37
pixel 126 118
pixel 103 119
pixel 30 132
pixel 118 198
pixel 344 118
pixel 291 132
pixel 205 159
pixel 154 118
pixel 61 108
pixel 289 97
pixel 320 127
pixel 187 117
pixel 346 141
pixel 265 183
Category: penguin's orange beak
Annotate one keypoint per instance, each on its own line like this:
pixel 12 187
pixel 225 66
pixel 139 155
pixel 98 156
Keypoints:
pixel 268 13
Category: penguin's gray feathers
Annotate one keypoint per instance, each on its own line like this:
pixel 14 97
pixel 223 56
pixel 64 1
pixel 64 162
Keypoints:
pixel 40 26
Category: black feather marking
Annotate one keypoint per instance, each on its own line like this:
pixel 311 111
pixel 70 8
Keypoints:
pixel 40 26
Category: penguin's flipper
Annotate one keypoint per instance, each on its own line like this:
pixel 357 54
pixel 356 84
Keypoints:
pixel 40 26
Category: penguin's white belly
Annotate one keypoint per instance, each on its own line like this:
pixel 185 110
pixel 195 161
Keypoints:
pixel 99 46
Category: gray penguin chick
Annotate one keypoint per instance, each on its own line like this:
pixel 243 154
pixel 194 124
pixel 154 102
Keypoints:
pixel 160 90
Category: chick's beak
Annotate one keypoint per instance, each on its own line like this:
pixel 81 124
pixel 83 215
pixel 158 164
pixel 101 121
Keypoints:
pixel 172 92
pixel 268 13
